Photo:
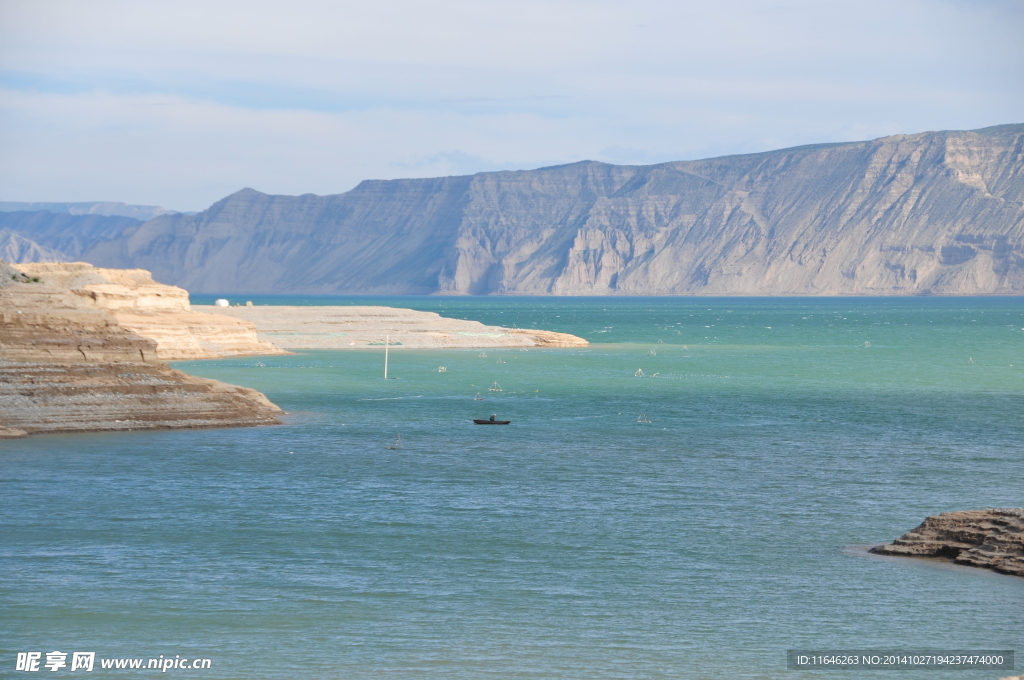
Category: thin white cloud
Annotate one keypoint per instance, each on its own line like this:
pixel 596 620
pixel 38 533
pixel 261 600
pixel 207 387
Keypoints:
pixel 178 103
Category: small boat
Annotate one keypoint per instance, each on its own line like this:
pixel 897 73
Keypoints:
pixel 643 418
pixel 397 445
pixel 495 387
pixel 491 421
pixel 479 397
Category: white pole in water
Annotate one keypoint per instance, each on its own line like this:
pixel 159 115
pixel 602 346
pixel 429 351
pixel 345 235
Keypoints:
pixel 387 339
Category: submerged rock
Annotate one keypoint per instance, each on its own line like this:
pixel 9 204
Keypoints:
pixel 993 539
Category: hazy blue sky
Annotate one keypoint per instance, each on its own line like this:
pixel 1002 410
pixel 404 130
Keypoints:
pixel 180 103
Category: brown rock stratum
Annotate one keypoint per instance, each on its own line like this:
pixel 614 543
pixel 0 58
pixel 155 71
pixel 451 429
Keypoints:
pixel 69 364
pixel 993 539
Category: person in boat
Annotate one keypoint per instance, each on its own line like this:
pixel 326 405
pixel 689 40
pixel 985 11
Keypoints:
pixel 492 416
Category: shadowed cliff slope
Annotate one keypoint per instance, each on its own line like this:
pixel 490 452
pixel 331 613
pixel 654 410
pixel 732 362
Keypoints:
pixel 17 248
pixel 47 236
pixel 929 213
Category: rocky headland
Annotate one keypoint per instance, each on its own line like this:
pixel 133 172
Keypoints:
pixel 359 327
pixel 83 349
pixel 992 539
pixel 137 303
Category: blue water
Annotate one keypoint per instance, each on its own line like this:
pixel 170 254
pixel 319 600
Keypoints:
pixel 785 435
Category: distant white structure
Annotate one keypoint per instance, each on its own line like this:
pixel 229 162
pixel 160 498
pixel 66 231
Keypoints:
pixel 222 303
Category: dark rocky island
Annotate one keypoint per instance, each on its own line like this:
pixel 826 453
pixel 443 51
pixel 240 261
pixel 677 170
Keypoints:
pixel 992 539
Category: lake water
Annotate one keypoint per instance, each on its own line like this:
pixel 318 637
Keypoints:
pixel 784 435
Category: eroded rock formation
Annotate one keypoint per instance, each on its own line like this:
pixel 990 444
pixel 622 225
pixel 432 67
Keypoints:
pixel 67 364
pixel 152 310
pixel 993 539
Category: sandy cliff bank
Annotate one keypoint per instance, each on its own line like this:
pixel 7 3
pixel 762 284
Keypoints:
pixel 361 327
pixel 149 309
pixel 68 363
pixel 993 539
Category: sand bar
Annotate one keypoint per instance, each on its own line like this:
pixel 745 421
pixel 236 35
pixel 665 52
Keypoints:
pixel 361 327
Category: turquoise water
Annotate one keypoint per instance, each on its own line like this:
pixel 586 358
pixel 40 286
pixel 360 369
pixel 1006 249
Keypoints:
pixel 785 435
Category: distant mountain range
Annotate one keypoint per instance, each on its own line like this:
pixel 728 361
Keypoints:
pixel 937 213
pixel 139 212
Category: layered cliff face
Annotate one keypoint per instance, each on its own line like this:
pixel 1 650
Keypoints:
pixel 930 213
pixel 138 304
pixel 87 396
pixel 67 363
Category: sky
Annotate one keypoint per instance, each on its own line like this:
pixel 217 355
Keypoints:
pixel 180 103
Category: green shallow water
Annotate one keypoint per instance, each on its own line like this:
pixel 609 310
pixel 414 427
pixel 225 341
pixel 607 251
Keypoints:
pixel 785 435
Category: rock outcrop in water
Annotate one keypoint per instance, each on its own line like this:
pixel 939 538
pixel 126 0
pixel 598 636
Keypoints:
pixel 67 363
pixel 932 213
pixel 993 539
